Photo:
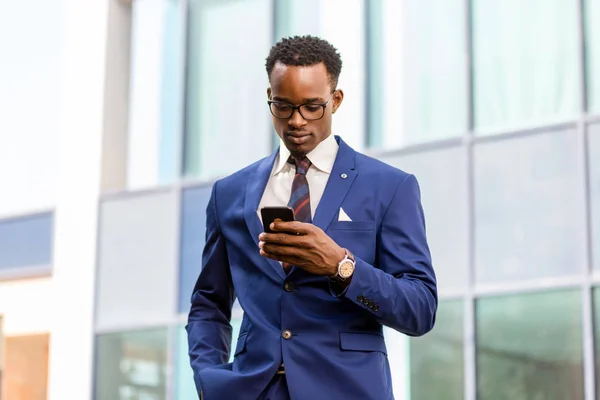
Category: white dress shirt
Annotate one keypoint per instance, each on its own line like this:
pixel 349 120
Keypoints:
pixel 279 187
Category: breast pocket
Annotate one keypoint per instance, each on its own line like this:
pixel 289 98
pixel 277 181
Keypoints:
pixel 357 236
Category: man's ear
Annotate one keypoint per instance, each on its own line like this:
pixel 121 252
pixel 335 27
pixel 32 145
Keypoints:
pixel 338 97
pixel 269 93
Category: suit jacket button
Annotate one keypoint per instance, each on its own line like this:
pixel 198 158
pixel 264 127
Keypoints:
pixel 376 308
pixel 286 334
pixel 360 298
pixel 288 287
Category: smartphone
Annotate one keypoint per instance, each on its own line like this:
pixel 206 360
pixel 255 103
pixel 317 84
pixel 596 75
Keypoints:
pixel 270 214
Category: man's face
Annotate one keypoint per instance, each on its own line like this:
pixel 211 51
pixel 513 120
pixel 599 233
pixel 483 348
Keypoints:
pixel 292 85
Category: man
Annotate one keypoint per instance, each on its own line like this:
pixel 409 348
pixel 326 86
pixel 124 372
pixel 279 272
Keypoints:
pixel 317 292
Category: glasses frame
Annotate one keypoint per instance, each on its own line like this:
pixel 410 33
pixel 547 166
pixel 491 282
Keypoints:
pixel 294 108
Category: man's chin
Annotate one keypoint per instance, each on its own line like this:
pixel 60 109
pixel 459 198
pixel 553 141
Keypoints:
pixel 298 150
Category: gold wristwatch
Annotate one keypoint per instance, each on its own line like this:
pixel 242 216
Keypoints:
pixel 345 267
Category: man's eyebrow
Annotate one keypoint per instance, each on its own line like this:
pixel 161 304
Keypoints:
pixel 306 100
pixel 314 99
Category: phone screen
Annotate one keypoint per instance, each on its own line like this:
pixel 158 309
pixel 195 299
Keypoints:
pixel 270 214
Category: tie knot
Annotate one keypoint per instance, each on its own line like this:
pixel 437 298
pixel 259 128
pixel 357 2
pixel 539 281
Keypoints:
pixel 302 164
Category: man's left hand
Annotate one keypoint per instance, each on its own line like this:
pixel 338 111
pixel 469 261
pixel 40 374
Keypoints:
pixel 303 245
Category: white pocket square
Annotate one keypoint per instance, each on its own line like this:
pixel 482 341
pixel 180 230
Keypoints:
pixel 343 216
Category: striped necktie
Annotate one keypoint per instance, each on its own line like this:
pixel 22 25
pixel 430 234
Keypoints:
pixel 300 197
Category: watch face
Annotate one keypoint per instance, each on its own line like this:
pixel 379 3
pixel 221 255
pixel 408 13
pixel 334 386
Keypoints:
pixel 346 270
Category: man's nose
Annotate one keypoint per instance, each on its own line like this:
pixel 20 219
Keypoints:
pixel 296 121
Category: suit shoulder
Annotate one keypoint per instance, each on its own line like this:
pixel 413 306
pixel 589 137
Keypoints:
pixel 382 170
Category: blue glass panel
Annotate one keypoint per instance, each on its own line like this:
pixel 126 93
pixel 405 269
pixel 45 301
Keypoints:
pixel 26 241
pixel 225 102
pixel 529 208
pixel 437 359
pixel 528 346
pixel 193 221
pixel 171 133
pixel 514 44
pixel 131 365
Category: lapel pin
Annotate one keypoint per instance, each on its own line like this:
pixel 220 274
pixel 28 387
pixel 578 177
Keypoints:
pixel 344 176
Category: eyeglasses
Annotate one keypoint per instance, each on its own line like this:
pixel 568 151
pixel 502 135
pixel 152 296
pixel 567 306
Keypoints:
pixel 310 112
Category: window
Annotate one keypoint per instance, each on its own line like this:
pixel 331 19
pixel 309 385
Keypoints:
pixel 227 113
pixel 442 174
pixel 529 346
pixel 594 170
pixel 525 62
pixel 347 35
pixel 436 359
pixel 172 88
pixel 137 271
pixel 435 71
pixel 528 208
pixel 157 44
pixel 418 71
pixel 184 384
pixel 26 245
pixel 592 16
pixel 131 365
pixel 193 226
pixel 296 17
pixel 302 17
pixel 25 367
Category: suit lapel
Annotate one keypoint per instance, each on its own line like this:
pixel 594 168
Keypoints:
pixel 341 178
pixel 255 188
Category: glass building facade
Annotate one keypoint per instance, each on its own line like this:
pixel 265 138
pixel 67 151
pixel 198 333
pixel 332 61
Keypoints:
pixel 490 104
pixel 493 105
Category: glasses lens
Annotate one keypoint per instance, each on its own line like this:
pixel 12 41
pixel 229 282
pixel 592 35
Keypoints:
pixel 281 110
pixel 310 111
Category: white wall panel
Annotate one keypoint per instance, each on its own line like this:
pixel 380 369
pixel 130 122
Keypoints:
pixel 31 48
pixel 137 270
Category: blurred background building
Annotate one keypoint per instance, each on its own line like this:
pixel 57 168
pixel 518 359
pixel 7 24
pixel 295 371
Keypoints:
pixel 116 117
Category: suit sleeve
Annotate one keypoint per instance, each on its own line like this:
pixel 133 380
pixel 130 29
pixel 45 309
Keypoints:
pixel 208 328
pixel 401 292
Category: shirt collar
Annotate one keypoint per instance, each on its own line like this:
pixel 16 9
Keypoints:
pixel 322 156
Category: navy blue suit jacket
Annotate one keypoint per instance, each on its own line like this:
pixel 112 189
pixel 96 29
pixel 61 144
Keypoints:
pixel 337 349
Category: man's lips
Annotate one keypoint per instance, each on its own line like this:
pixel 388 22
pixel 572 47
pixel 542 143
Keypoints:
pixel 297 137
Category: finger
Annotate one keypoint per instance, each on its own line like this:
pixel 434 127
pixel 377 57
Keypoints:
pixel 286 259
pixel 282 250
pixel 276 249
pixel 297 227
pixel 284 239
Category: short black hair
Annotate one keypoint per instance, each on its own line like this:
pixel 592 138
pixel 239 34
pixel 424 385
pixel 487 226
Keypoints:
pixel 304 51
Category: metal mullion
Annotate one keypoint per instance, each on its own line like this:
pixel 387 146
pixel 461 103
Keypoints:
pixel 173 326
pixel 592 118
pixel 34 212
pixel 170 374
pixel 526 132
pixel 587 300
pixel 418 148
pixel 469 327
pixel 533 285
